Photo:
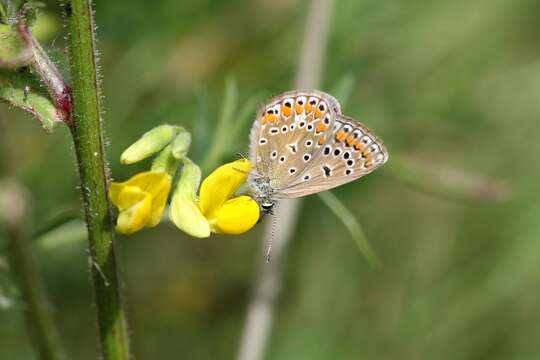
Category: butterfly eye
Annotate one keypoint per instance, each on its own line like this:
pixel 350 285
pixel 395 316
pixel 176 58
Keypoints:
pixel 346 155
pixel 282 159
pixel 287 103
pixel 270 111
pixel 307 157
pixel 356 133
pixel 337 152
pixel 374 148
pixel 284 128
pixel 347 128
pixel 263 141
pixel 301 100
pixel 267 206
pixel 322 106
pixel 292 170
pixel 327 150
pixel 274 130
pixel 309 127
pixel 309 143
pixel 274 154
pixel 350 162
pixel 348 172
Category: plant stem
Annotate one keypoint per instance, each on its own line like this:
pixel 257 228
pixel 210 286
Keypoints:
pixel 88 141
pixel 260 312
pixel 39 322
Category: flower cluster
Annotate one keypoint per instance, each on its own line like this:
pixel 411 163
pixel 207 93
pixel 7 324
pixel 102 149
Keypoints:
pixel 141 200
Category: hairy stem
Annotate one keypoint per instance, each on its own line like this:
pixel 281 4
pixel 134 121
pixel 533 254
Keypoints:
pixel 88 140
pixel 260 312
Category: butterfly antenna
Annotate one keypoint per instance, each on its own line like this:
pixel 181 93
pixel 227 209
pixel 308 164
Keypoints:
pixel 241 156
pixel 272 235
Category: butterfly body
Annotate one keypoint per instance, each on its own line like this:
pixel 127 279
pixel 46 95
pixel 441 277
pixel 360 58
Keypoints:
pixel 301 144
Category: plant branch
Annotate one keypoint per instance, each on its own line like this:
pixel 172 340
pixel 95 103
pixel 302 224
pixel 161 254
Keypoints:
pixel 88 141
pixel 39 322
pixel 259 317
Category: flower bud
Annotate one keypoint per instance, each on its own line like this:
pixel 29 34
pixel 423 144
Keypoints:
pixel 181 144
pixel 149 144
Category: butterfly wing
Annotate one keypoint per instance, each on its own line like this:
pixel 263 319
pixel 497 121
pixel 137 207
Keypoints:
pixel 289 132
pixel 352 151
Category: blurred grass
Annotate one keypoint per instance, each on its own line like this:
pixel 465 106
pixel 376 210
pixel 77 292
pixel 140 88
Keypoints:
pixel 448 85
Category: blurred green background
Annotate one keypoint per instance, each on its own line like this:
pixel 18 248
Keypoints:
pixel 453 89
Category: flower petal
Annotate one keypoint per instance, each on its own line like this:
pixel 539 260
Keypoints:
pixel 184 210
pixel 156 185
pixel 136 216
pixel 221 184
pixel 236 216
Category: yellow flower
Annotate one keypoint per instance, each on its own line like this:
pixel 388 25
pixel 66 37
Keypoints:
pixel 141 200
pixel 215 210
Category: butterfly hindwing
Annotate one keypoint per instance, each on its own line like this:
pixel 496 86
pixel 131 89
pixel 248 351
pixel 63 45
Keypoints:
pixel 352 151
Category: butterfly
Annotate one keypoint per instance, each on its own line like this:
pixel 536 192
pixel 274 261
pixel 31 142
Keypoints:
pixel 301 144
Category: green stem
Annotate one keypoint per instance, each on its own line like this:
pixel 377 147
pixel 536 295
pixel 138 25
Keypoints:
pixel 88 141
pixel 39 321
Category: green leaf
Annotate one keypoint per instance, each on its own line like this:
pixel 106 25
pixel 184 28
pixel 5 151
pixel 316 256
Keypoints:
pixel 39 106
pixel 343 88
pixel 71 232
pixel 15 47
pixel 221 137
pixel 351 223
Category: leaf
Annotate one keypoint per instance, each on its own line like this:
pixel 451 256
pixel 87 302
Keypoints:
pixel 221 134
pixel 343 88
pixel 351 223
pixel 39 106
pixel 15 47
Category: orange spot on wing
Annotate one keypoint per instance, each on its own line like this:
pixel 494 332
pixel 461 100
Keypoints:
pixel 341 135
pixel 365 153
pixel 320 128
pixel 269 118
pixel 309 108
pixel 350 140
pixel 321 140
pixel 298 109
pixel 318 114
pixel 286 111
pixel 358 145
pixel 368 163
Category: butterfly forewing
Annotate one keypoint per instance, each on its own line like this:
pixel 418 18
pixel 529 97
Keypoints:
pixel 289 133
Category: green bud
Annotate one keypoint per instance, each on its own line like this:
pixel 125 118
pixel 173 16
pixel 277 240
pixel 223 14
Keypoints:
pixel 181 144
pixel 149 144
pixel 184 210
pixel 15 47
pixel 166 162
